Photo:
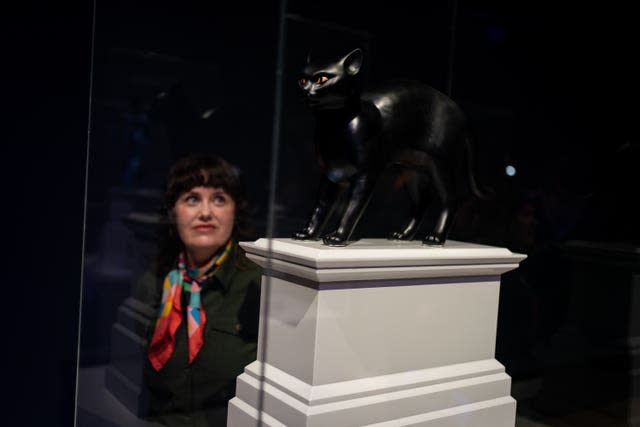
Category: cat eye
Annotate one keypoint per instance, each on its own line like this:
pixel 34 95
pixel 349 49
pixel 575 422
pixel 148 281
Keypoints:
pixel 321 79
pixel 303 81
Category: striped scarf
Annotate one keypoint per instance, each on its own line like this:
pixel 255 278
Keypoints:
pixel 170 315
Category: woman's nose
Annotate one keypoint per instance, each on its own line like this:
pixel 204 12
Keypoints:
pixel 205 210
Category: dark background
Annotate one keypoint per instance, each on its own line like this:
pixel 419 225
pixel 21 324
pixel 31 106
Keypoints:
pixel 550 89
pixel 46 56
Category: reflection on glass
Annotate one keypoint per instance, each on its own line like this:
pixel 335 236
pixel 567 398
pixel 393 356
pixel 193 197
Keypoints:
pixel 206 296
pixel 190 325
pixel 157 96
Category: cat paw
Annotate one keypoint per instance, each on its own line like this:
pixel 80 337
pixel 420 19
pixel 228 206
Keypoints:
pixel 303 235
pixel 433 240
pixel 399 235
pixel 335 239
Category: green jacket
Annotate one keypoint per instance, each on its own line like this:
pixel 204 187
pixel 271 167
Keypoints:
pixel 197 395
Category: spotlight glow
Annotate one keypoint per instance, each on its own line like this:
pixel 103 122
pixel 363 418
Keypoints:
pixel 510 170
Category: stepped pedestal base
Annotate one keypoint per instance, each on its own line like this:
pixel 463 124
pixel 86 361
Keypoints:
pixel 377 333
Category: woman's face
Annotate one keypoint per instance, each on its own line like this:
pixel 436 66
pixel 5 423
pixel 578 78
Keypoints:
pixel 204 219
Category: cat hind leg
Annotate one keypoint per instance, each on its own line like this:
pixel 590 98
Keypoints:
pixel 443 189
pixel 416 185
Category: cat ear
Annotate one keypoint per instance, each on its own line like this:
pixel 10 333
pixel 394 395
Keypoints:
pixel 308 59
pixel 353 62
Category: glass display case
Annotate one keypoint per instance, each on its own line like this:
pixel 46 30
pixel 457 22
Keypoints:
pixel 169 81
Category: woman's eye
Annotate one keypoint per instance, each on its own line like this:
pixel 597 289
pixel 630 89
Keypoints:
pixel 219 200
pixel 321 79
pixel 190 199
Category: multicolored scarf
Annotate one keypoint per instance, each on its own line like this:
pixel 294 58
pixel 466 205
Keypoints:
pixel 170 316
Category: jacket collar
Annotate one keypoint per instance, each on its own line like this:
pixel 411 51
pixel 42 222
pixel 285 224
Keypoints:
pixel 225 273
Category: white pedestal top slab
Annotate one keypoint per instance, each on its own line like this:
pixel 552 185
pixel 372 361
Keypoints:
pixel 379 253
pixel 377 260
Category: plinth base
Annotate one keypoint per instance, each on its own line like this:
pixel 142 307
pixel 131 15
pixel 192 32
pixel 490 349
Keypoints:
pixel 468 394
pixel 376 333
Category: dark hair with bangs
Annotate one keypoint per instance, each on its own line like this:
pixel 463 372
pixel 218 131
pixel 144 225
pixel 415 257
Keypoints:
pixel 200 170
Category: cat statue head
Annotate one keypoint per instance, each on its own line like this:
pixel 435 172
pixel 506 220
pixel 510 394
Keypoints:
pixel 331 85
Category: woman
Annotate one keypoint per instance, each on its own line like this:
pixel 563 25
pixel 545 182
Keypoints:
pixel 208 296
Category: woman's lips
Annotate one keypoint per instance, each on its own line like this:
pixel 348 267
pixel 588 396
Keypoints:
pixel 204 227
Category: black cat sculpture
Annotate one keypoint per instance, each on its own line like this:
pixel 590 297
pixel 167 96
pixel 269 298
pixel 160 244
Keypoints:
pixel 357 136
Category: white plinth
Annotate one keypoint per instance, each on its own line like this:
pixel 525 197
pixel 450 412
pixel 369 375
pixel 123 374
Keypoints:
pixel 376 333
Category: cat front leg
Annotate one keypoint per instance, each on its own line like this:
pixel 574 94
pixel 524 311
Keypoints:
pixel 325 203
pixel 360 192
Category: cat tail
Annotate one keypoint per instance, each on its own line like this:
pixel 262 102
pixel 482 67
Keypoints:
pixel 484 193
